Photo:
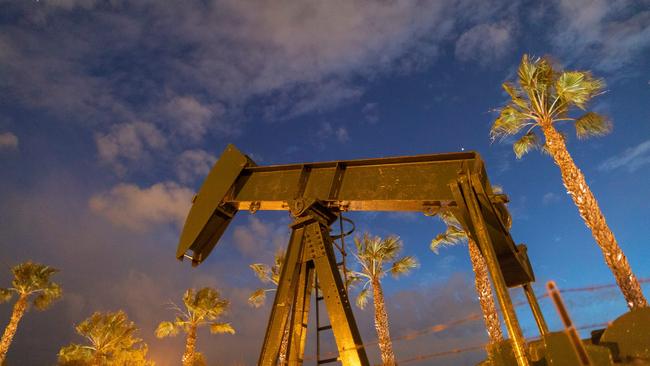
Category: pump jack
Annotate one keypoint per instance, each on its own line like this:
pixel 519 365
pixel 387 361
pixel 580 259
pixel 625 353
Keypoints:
pixel 316 193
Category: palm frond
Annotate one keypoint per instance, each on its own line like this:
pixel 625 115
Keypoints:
pixel 257 298
pixel 166 329
pixel 5 295
pixel 525 144
pixel 453 235
pixel 403 265
pixel 220 328
pixel 578 87
pixel 262 272
pixel 448 218
pixel 363 297
pixel 510 121
pixel 516 95
pixel 49 295
pixel 526 71
pixel 592 124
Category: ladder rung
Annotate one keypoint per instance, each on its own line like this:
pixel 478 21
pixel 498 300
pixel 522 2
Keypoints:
pixel 328 360
pixel 320 329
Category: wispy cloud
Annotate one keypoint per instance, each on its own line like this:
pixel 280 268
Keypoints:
pixel 607 34
pixel 550 198
pixel 128 142
pixel 631 159
pixel 8 141
pixel 192 164
pixel 486 43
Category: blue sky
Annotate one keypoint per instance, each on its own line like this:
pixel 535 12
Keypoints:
pixel 111 114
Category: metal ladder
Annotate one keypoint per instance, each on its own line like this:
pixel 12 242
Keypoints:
pixel 342 267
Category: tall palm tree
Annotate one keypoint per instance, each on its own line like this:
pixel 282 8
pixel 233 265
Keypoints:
pixel 377 257
pixel 29 279
pixel 111 342
pixel 202 307
pixel 545 97
pixel 453 235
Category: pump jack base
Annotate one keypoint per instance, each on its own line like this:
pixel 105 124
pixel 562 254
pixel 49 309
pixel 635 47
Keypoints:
pixel 626 341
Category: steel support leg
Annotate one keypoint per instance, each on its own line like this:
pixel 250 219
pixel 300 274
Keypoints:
pixel 283 299
pixel 534 307
pixel 485 244
pixel 310 252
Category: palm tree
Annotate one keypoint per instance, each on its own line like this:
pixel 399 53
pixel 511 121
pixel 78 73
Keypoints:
pixel 29 279
pixel 453 235
pixel 111 341
pixel 544 98
pixel 373 254
pixel 202 307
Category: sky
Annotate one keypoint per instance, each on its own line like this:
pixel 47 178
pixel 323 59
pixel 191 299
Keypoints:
pixel 112 112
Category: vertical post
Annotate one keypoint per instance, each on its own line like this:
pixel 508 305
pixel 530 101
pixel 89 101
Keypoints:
pixel 534 307
pixel 569 328
pixel 283 299
pixel 487 249
pixel 347 337
pixel 300 317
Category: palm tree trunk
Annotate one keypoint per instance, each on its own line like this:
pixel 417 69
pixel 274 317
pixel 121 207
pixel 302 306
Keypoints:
pixel 584 199
pixel 19 310
pixel 485 296
pixel 190 343
pixel 284 345
pixel 381 325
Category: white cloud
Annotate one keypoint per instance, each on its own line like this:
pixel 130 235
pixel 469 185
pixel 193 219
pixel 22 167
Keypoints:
pixel 8 141
pixel 128 142
pixel 609 34
pixel 485 43
pixel 192 164
pixel 193 119
pixel 550 198
pixel 259 239
pixel 141 209
pixel 226 51
pixel 342 134
pixel 631 159
pixel 370 112
pixel 327 131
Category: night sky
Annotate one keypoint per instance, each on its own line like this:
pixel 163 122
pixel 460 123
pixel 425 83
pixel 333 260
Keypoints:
pixel 112 113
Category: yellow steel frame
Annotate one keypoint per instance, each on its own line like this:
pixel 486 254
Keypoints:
pixel 315 192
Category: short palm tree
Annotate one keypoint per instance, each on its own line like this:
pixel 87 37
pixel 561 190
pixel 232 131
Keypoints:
pixel 453 235
pixel 377 257
pixel 202 307
pixel 545 97
pixel 111 342
pixel 29 279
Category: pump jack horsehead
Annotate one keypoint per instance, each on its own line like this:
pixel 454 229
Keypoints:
pixel 316 193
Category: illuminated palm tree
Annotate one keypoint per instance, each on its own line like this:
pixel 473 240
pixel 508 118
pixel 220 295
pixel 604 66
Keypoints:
pixel 545 97
pixel 374 255
pixel 202 307
pixel 111 342
pixel 29 279
pixel 453 235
